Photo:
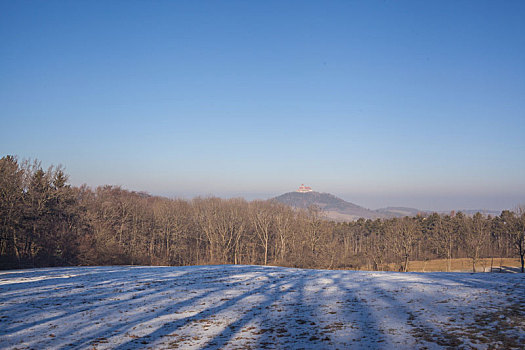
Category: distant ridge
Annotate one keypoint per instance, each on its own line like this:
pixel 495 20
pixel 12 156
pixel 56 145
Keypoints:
pixel 471 212
pixel 338 209
pixel 393 212
pixel 333 207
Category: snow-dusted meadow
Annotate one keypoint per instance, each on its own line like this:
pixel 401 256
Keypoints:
pixel 258 307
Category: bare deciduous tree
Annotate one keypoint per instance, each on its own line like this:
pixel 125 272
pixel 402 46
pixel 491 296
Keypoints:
pixel 475 236
pixel 403 236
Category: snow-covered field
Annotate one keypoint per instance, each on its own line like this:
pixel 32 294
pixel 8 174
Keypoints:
pixel 258 307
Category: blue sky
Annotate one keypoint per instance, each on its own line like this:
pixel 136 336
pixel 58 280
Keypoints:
pixel 408 103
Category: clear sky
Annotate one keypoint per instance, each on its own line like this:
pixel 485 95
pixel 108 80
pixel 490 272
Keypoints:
pixel 405 103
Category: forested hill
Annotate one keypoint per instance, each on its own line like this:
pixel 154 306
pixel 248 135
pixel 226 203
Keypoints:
pixel 332 206
pixel 338 209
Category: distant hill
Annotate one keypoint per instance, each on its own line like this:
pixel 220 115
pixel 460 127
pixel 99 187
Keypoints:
pixel 338 209
pixel 471 212
pixel 393 212
pixel 333 207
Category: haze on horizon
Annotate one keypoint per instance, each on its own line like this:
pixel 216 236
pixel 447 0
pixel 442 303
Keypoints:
pixel 382 103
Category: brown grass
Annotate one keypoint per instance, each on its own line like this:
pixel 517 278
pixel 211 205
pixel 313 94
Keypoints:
pixel 460 265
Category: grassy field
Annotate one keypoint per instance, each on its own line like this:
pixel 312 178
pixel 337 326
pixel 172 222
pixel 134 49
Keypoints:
pixel 463 265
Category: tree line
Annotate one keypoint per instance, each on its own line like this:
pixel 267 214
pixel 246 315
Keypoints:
pixel 47 222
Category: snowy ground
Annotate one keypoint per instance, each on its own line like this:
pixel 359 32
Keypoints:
pixel 258 307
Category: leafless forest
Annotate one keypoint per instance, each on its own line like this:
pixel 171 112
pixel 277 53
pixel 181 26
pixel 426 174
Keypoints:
pixel 47 222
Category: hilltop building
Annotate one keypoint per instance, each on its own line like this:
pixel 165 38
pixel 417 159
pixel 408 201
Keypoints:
pixel 304 189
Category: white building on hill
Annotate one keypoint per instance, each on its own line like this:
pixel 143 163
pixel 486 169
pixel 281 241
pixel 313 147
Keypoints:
pixel 304 189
